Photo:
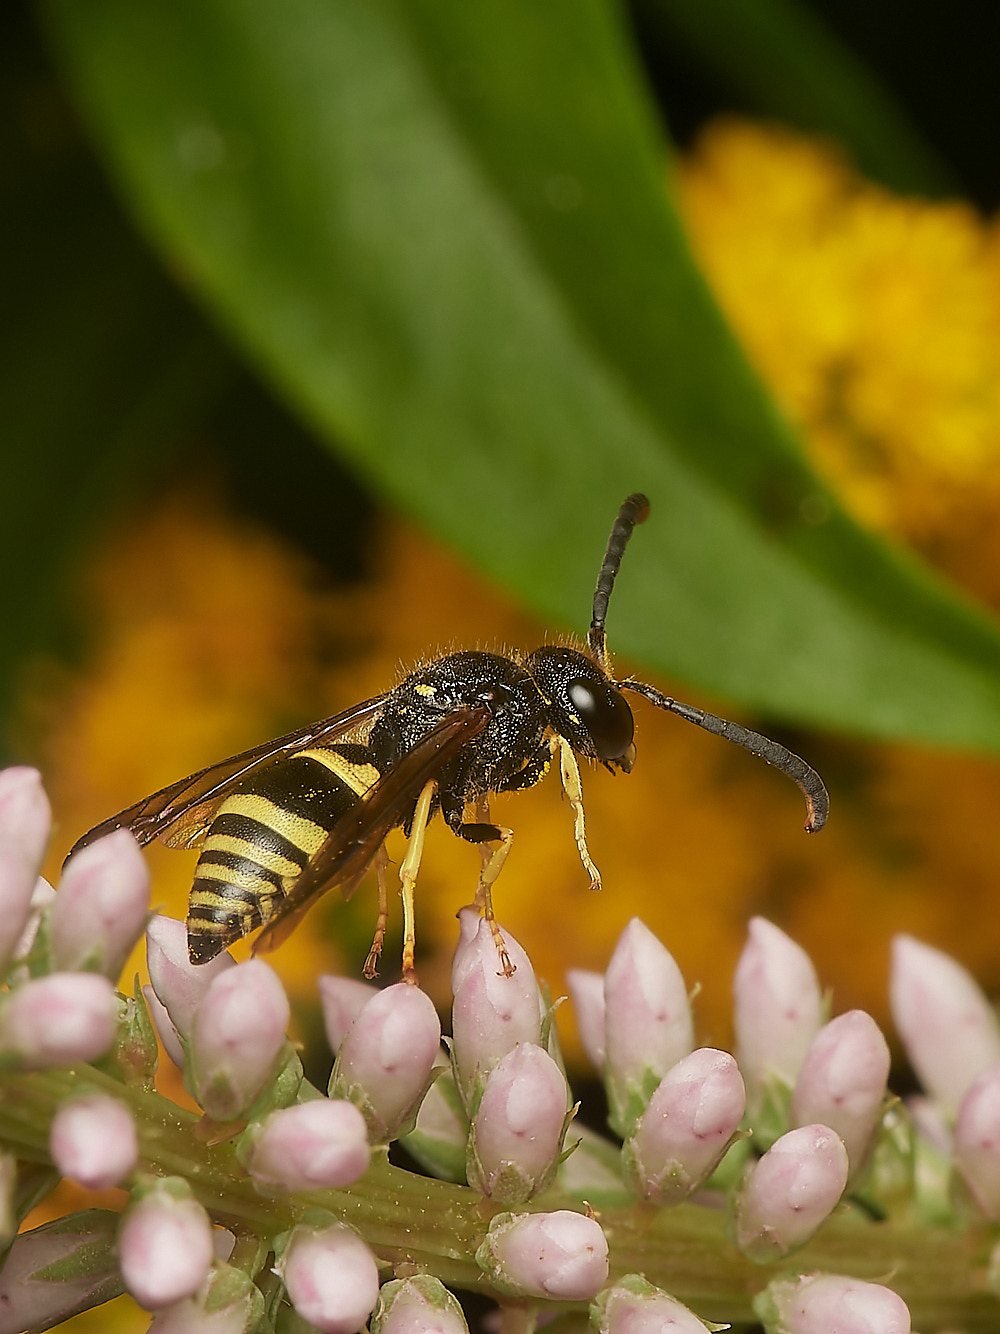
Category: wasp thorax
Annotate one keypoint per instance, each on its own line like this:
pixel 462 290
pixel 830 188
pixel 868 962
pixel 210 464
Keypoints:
pixel 588 708
pixel 468 679
pixel 473 679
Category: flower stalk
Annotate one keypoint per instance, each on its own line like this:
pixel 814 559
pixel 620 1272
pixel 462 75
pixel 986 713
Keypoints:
pixel 940 1272
pixel 552 1218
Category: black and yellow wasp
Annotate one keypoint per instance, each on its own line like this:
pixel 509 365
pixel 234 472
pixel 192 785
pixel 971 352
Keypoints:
pixel 282 823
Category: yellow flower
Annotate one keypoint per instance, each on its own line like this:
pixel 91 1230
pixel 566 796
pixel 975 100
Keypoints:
pixel 874 320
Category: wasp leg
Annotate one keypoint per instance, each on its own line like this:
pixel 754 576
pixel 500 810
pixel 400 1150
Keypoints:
pixel 492 857
pixel 494 844
pixel 485 833
pixel 378 940
pixel 569 771
pixel 408 876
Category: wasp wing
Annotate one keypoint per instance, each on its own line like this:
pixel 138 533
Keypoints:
pixel 348 850
pixel 180 814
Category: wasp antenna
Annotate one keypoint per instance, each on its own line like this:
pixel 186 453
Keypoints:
pixel 635 510
pixel 803 775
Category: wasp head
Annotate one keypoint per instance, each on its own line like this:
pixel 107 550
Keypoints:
pixel 585 705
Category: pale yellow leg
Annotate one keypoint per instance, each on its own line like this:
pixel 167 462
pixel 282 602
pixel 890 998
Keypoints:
pixel 569 771
pixel 408 876
pixel 381 867
pixel 493 856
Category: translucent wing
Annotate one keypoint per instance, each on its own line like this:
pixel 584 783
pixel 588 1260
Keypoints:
pixel 179 814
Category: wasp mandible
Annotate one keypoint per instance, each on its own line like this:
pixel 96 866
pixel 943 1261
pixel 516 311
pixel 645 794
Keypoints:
pixel 281 824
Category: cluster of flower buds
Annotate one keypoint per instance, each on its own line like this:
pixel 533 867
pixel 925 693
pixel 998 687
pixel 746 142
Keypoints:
pixel 61 953
pixel 781 1130
pixel 278 1206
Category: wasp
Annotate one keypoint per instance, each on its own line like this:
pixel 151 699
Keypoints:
pixel 282 823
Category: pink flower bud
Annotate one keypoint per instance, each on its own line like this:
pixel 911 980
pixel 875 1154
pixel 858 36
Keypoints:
pixel 473 949
pixel 25 817
pixel 166 1032
pixel 586 991
pixel 165 1245
pixel 81 1249
pixel 977 1140
pixel 342 999
pixel 842 1082
pixel 331 1277
pixel 179 984
pixel 562 1255
pixel 93 1141
pixel 518 1130
pixel 237 1037
pixel 778 1009
pixel 948 1027
pixel 309 1146
pixel 648 1022
pixel 385 1061
pixel 822 1303
pixel 59 1020
pixel 634 1306
pixel 469 922
pixel 100 909
pixel 492 1013
pixel 418 1305
pixel 227 1303
pixel 687 1127
pixel 790 1191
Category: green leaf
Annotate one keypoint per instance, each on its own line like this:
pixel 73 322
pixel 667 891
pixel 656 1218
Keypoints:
pixel 443 230
pixel 100 357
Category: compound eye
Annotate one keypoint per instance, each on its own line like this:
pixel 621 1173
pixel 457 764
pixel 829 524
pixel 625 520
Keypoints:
pixel 605 715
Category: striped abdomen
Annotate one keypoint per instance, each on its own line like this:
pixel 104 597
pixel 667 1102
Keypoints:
pixel 261 839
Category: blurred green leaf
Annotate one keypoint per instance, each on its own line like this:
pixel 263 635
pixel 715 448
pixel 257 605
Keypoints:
pixel 785 61
pixel 100 357
pixel 443 230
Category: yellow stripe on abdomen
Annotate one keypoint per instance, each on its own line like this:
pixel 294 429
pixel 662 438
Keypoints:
pixel 358 777
pixel 261 839
pixel 305 834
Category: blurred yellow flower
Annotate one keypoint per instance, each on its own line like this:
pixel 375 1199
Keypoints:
pixel 874 320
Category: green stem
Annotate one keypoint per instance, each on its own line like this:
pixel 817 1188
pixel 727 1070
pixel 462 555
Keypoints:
pixel 414 1222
